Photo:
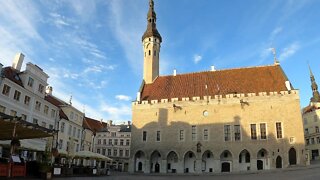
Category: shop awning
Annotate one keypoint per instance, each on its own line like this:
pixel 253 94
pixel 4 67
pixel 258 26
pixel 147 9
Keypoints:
pixel 24 129
pixel 90 155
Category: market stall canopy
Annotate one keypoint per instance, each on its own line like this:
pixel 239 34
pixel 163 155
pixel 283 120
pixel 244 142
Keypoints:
pixel 90 155
pixel 29 144
pixel 24 129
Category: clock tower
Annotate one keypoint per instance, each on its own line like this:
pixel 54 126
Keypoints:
pixel 151 41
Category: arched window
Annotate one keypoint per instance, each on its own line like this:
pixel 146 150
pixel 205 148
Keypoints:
pixel 149 52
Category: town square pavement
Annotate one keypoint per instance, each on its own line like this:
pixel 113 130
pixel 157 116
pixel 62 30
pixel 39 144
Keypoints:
pixel 298 173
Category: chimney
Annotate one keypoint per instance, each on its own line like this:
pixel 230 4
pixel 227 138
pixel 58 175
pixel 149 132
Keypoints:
pixel 49 90
pixel 288 85
pixel 138 96
pixel 174 72
pixel 212 68
pixel 109 123
pixel 17 61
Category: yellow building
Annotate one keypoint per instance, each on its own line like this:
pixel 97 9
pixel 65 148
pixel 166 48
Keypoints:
pixel 242 119
pixel 311 121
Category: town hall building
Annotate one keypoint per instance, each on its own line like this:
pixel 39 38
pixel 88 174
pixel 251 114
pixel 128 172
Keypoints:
pixel 231 120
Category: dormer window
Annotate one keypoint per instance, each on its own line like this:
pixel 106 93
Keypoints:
pixel 30 82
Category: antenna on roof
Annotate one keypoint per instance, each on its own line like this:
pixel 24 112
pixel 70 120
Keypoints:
pixel 276 61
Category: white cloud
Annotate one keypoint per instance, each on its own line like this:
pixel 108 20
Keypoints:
pixel 275 32
pixel 99 68
pixel 289 51
pixel 20 17
pixel 116 112
pixel 197 58
pixel 123 97
pixel 59 20
pixel 128 28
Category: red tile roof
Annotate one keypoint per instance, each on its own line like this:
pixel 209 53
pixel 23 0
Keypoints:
pixel 93 125
pixel 12 74
pixel 57 102
pixel 220 82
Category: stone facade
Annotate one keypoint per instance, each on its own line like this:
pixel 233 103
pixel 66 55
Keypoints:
pixel 243 119
pixel 210 117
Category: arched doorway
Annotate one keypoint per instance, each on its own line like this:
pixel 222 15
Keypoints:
pixel 172 162
pixel 189 162
pixel 262 158
pixel 155 161
pixel 259 164
pixel 292 156
pixel 207 161
pixel 244 160
pixel 279 162
pixel 226 161
pixel 139 161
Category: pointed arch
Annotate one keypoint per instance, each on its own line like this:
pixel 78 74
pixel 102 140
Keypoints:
pixel 207 161
pixel 155 162
pixel 139 161
pixel 189 162
pixel 172 162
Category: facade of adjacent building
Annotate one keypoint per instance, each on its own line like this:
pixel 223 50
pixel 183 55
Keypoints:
pixel 311 121
pixel 242 119
pixel 23 95
pixel 114 142
pixel 69 126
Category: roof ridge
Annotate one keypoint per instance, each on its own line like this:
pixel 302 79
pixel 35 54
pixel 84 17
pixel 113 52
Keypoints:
pixel 249 67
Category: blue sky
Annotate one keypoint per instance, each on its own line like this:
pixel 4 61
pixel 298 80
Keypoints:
pixel 92 49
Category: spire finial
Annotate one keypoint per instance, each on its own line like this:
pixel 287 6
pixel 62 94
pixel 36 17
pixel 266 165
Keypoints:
pixel 70 100
pixel 275 56
pixel 314 87
pixel 151 3
pixel 151 28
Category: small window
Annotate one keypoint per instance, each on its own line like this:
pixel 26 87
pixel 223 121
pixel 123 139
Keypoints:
pixel 26 100
pixel 149 52
pixel 194 132
pixel 144 136
pixel 16 95
pixel 6 90
pixel 158 136
pixel 279 130
pixel 205 134
pixel 46 109
pixel 53 113
pixel 38 105
pixel 40 88
pixel 253 128
pixel 227 133
pixel 181 135
pixel 30 82
pixel 154 53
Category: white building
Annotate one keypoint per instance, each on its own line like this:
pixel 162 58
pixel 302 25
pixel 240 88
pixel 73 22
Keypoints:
pixel 69 126
pixel 23 95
